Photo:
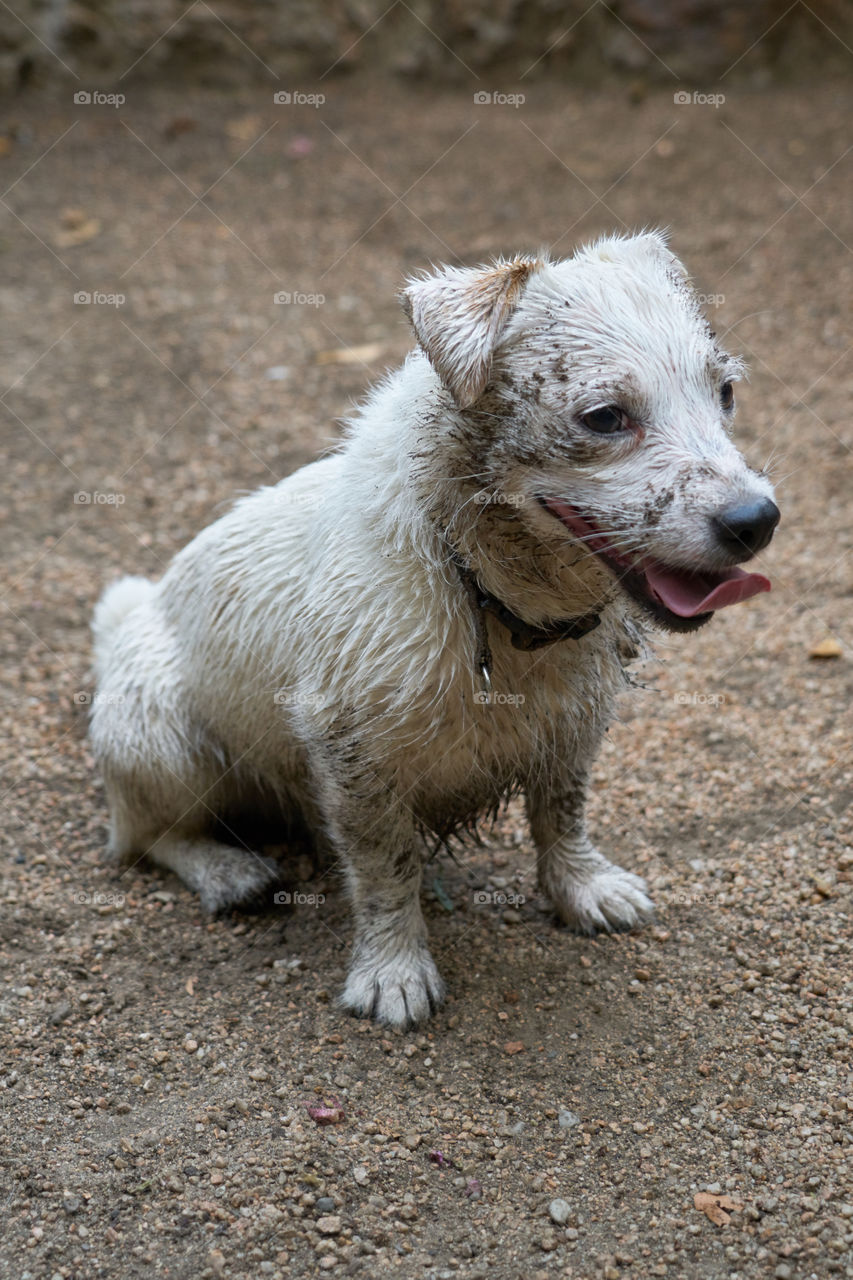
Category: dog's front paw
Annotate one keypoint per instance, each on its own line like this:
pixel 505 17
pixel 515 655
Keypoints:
pixel 609 898
pixel 398 991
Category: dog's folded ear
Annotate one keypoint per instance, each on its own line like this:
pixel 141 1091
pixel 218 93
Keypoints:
pixel 458 317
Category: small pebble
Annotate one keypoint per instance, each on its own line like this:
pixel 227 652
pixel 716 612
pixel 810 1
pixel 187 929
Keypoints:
pixel 559 1211
pixel 329 1226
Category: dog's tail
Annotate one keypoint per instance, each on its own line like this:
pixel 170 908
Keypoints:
pixel 119 599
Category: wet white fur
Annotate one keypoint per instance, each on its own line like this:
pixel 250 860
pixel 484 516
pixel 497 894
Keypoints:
pixel 314 649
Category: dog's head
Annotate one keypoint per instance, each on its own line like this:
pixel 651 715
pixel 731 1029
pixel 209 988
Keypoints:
pixel 599 407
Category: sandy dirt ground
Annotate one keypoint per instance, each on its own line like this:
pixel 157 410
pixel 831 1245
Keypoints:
pixel 561 1114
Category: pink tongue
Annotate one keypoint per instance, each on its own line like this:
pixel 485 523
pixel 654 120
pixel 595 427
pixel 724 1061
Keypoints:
pixel 688 594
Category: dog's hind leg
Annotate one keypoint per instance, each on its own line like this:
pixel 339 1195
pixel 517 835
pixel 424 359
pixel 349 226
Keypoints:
pixel 588 892
pixel 165 798
pixel 222 876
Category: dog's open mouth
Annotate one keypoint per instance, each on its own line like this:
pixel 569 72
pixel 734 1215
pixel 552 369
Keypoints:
pixel 677 598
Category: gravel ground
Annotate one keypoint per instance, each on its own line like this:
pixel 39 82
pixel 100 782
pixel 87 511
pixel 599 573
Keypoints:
pixel 563 1112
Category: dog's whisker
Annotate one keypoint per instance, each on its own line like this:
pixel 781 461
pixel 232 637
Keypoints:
pixel 775 458
pixel 779 480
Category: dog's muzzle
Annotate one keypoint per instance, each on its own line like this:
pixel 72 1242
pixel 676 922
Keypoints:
pixel 680 599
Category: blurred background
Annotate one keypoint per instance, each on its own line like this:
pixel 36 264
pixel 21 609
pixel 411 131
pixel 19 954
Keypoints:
pixel 234 40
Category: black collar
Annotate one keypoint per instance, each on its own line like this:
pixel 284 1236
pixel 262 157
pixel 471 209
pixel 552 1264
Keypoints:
pixel 523 634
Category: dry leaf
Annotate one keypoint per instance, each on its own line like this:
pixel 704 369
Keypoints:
pixel 350 355
pixel 189 987
pixel 245 128
pixel 180 124
pixel 827 648
pixel 718 1208
pixel 78 229
pixel 514 1046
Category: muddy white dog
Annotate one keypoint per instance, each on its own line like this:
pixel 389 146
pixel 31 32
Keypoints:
pixel 398 636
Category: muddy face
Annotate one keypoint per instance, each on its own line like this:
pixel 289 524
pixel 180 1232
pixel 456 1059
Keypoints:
pixel 616 406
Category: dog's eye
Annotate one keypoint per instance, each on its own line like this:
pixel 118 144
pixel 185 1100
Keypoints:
pixel 605 422
pixel 727 396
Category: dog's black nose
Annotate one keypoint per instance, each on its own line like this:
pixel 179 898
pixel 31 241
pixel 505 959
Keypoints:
pixel 747 527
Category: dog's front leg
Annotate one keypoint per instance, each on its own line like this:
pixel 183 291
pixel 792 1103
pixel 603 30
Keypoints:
pixel 588 892
pixel 392 976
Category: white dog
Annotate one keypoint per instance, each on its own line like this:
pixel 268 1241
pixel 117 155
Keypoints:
pixel 395 638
